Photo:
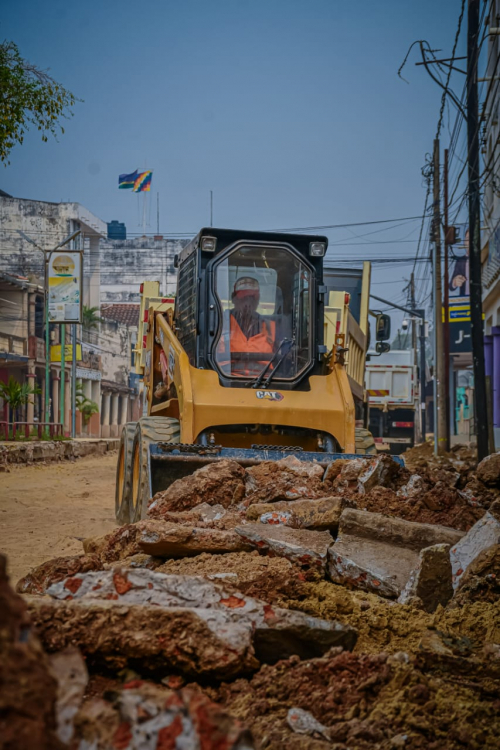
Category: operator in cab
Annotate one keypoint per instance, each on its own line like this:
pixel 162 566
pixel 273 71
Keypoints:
pixel 249 332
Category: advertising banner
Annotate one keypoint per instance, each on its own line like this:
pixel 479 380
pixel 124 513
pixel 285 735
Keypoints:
pixel 64 279
pixel 459 300
pixel 55 353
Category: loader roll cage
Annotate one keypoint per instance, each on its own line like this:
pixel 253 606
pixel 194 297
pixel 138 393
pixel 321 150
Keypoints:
pixel 250 307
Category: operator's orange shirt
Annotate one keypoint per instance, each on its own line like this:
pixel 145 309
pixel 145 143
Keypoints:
pixel 261 343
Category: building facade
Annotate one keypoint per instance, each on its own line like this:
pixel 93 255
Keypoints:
pixel 490 229
pixel 107 388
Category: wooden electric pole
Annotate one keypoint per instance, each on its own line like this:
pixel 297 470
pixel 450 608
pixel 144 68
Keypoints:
pixel 476 305
pixel 439 394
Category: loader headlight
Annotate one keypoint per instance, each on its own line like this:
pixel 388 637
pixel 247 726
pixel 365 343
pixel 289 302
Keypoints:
pixel 208 244
pixel 317 249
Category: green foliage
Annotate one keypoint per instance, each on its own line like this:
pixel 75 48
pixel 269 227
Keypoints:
pixel 85 405
pixel 28 96
pixel 17 394
pixel 90 318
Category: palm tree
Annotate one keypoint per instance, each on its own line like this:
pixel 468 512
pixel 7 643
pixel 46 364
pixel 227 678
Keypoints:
pixel 85 405
pixel 90 318
pixel 16 394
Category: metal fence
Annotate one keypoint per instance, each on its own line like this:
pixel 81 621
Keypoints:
pixel 17 430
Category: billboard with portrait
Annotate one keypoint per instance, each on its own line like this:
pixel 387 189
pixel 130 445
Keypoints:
pixel 459 294
pixel 64 283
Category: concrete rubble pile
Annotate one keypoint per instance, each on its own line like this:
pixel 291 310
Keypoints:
pixel 285 606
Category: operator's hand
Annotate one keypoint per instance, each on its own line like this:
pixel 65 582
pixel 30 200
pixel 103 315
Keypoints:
pixel 458 281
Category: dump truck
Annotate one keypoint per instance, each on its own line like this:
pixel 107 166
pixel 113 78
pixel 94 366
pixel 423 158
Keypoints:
pixel 347 312
pixel 391 386
pixel 243 365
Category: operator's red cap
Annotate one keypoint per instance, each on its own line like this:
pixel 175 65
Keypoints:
pixel 246 286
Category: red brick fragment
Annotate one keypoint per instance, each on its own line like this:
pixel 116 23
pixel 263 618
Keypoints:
pixel 73 584
pixel 121 583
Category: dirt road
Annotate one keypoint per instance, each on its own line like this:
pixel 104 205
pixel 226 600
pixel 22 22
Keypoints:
pixel 45 511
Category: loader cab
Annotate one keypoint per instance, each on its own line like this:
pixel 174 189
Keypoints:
pixel 250 306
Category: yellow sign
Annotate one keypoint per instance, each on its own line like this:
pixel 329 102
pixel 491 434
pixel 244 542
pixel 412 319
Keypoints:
pixel 55 353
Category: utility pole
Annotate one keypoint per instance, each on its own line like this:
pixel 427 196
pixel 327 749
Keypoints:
pixel 476 305
pixel 414 347
pixel 47 254
pixel 446 337
pixel 211 208
pixel 439 394
pixel 157 213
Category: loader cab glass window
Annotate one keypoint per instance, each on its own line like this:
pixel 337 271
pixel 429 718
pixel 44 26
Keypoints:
pixel 265 330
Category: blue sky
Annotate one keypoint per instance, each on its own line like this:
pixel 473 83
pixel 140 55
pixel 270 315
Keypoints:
pixel 291 111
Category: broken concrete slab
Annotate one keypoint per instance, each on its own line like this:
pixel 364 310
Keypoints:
pixel 272 481
pixel 369 565
pixel 162 539
pixel 40 578
pixel 218 483
pixel 378 553
pixel 344 473
pixel 169 540
pixel 321 515
pixel 278 633
pixel 306 548
pixel 143 716
pixel 483 535
pixel 116 545
pixel 411 534
pixel 430 583
pixel 382 471
pixel 199 642
pixel 207 516
pixel 301 468
pixel 275 633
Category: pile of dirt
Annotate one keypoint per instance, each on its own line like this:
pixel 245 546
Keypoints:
pixel 441 505
pixel 365 701
pixel 217 584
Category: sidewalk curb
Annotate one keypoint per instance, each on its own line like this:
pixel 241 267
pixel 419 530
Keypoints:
pixel 42 451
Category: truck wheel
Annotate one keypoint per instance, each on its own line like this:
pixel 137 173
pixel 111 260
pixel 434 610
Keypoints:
pixel 148 430
pixel 365 444
pixel 123 488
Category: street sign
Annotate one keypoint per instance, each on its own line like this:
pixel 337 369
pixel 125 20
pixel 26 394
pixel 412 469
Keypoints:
pixel 55 352
pixel 64 283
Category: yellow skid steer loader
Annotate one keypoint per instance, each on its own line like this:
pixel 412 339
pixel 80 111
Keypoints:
pixel 238 367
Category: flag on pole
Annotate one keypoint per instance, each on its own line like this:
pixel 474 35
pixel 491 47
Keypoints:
pixel 127 181
pixel 143 181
